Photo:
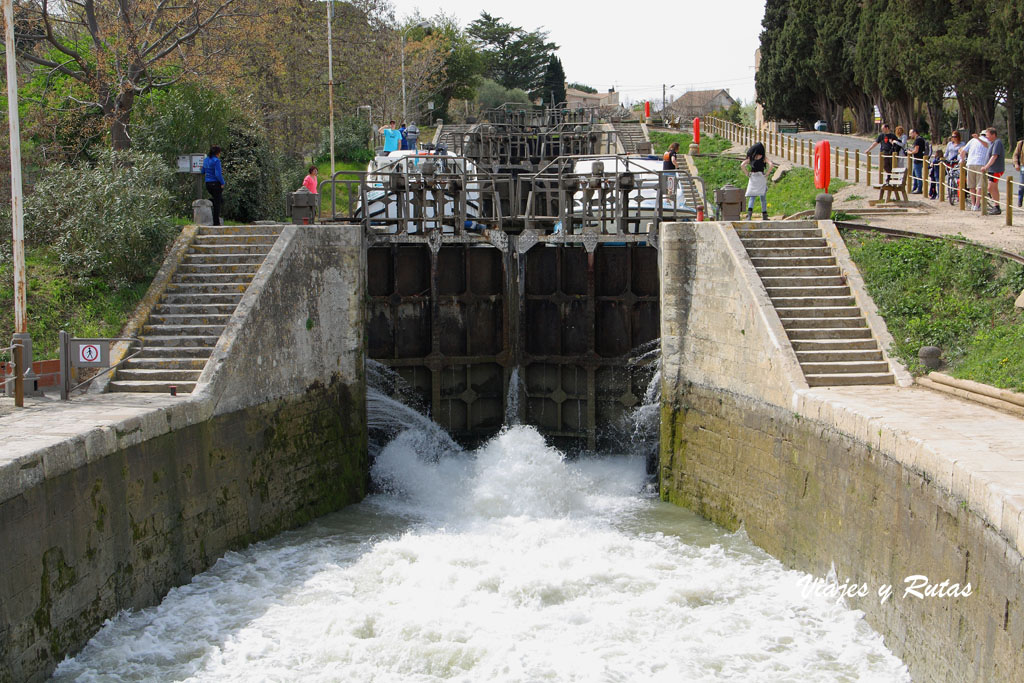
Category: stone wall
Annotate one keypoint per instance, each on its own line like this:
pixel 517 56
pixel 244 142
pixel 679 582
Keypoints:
pixel 814 484
pixel 274 436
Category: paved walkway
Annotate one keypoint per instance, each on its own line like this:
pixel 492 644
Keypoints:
pixel 46 421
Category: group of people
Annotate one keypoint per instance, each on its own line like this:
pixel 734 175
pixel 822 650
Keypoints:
pixel 399 137
pixel 984 157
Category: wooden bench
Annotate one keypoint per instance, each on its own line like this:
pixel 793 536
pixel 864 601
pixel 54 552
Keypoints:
pixel 895 183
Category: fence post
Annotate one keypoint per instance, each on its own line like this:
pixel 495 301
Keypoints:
pixel 926 182
pixel 1009 199
pixel 835 173
pixel 942 182
pixel 984 194
pixel 19 375
pixel 962 185
pixel 867 176
pixel 846 163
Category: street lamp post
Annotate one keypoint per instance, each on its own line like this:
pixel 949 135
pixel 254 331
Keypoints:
pixel 330 79
pixel 17 207
pixel 422 24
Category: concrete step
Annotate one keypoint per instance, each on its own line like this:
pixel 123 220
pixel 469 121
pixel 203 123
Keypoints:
pixel 220 319
pixel 168 375
pixel 150 386
pixel 783 242
pixel 220 259
pixel 850 379
pixel 771 281
pixel 768 232
pixel 240 230
pixel 787 313
pixel 236 239
pixel 229 248
pixel 797 334
pixel 154 341
pixel 836 291
pixel 824 322
pixel 860 366
pixel 185 330
pixel 218 268
pixel 798 302
pixel 194 309
pixel 191 297
pixel 156 363
pixel 213 288
pixel 789 252
pixel 198 278
pixel 161 352
pixel 826 345
pixel 838 355
pixel 798 271
pixel 799 261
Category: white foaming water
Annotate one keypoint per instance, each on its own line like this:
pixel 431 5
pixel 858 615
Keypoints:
pixel 507 564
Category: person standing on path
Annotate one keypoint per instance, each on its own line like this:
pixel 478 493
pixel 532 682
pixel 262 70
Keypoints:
pixel 918 150
pixel 901 147
pixel 757 167
pixel 310 181
pixel 976 154
pixel 214 177
pixel 994 167
pixel 888 141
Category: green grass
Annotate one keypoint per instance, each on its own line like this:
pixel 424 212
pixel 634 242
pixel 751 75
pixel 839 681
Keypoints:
pixel 709 144
pixel 961 299
pixel 85 307
pixel 324 173
pixel 793 193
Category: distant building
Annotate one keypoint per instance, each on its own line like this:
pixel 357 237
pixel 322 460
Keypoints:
pixel 699 103
pixel 577 98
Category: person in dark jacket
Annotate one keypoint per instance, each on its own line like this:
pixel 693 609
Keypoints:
pixel 214 177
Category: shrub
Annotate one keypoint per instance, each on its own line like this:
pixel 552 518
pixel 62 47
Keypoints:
pixel 252 174
pixel 352 136
pixel 491 95
pixel 110 220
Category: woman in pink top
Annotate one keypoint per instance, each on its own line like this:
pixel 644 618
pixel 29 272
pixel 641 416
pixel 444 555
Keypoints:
pixel 310 180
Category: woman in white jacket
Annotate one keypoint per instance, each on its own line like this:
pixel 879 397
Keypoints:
pixel 757 168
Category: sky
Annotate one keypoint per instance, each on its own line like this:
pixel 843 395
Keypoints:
pixel 683 45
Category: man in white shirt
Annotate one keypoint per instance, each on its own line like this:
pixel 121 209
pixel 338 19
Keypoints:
pixel 976 154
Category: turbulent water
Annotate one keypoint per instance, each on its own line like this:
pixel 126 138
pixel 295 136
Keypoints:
pixel 506 564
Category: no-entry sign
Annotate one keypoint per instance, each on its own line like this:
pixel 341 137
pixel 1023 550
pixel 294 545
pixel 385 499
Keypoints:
pixel 89 353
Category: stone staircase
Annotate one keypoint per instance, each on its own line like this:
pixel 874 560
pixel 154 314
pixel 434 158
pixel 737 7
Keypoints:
pixel 451 135
pixel 184 326
pixel 825 325
pixel 631 135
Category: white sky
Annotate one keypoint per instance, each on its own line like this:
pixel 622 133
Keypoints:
pixel 689 45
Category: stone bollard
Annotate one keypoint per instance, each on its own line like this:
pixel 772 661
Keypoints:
pixel 930 357
pixel 694 148
pixel 823 207
pixel 202 212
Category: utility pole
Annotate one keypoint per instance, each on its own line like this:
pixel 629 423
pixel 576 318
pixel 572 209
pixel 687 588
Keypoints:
pixel 664 102
pixel 17 207
pixel 330 78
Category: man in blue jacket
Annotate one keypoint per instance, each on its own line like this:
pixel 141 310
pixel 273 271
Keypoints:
pixel 214 177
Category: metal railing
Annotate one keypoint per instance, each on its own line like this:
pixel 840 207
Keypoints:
pixel 853 165
pixel 67 362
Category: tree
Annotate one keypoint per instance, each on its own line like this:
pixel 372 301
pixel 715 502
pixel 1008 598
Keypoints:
pixel 491 95
pixel 552 90
pixel 785 71
pixel 515 58
pixel 463 68
pixel 123 50
pixel 583 88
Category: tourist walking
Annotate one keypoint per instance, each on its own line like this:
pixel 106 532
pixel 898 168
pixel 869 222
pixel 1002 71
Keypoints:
pixel 668 165
pixel 994 168
pixel 888 142
pixel 975 152
pixel 1018 164
pixel 917 153
pixel 213 174
pixel 757 167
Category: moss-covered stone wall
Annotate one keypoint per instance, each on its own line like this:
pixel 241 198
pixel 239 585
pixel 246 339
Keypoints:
pixel 812 496
pixel 119 532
